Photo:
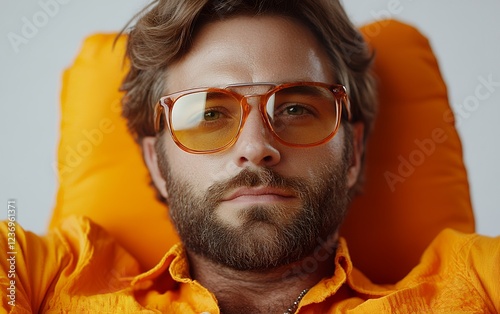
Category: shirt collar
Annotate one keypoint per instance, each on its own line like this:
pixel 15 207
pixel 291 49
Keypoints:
pixel 173 269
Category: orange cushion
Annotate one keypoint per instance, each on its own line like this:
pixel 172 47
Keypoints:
pixel 416 183
pixel 101 172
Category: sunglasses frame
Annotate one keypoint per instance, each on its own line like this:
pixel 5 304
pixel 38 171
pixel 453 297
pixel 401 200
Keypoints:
pixel 166 103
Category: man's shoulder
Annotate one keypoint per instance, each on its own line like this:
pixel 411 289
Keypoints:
pixel 81 240
pixel 462 247
pixel 458 272
pixel 76 257
pixel 74 235
pixel 83 235
pixel 459 265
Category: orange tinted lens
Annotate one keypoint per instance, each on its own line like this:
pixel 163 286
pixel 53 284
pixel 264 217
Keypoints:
pixel 205 121
pixel 303 115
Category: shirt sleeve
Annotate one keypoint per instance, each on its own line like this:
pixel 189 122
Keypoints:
pixel 43 272
pixel 483 267
pixel 29 266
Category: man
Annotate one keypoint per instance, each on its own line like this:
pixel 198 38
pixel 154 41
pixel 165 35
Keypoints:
pixel 252 117
pixel 252 182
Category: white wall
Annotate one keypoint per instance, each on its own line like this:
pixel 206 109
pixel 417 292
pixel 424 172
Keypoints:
pixel 464 34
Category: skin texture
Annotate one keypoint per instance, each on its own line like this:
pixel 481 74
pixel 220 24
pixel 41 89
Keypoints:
pixel 254 49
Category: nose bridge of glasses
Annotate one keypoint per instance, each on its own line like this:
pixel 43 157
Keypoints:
pixel 251 94
pixel 252 100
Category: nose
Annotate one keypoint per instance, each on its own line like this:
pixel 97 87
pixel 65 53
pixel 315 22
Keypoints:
pixel 256 145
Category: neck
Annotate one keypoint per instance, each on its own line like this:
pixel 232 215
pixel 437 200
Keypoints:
pixel 263 291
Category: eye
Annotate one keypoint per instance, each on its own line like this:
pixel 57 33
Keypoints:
pixel 295 110
pixel 212 115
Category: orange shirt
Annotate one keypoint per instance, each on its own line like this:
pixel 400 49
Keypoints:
pixel 79 268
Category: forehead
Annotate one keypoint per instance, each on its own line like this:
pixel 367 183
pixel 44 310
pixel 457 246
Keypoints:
pixel 245 49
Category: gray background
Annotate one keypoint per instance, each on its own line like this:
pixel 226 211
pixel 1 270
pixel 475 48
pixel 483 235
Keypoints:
pixel 465 35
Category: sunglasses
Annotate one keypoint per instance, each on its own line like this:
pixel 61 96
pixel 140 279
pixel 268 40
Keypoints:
pixel 209 120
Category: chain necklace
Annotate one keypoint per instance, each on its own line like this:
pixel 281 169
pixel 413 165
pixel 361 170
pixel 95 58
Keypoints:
pixel 295 304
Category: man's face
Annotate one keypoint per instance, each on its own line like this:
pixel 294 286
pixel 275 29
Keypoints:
pixel 260 203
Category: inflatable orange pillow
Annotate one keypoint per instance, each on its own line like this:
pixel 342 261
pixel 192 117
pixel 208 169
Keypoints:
pixel 416 183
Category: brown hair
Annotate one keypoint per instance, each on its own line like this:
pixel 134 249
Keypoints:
pixel 165 28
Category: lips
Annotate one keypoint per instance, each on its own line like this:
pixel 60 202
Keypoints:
pixel 258 193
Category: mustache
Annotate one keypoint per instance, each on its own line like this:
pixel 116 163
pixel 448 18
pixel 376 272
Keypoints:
pixel 252 178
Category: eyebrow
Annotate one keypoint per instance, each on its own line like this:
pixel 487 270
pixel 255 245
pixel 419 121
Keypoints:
pixel 303 89
pixel 217 94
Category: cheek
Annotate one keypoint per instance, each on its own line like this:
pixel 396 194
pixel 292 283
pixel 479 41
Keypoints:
pixel 311 162
pixel 199 171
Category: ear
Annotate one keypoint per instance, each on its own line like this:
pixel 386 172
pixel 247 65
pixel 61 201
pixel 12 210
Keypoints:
pixel 358 149
pixel 151 160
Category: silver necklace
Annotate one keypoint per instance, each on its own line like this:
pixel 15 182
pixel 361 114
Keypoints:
pixel 295 304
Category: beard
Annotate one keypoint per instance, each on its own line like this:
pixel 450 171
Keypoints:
pixel 268 236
